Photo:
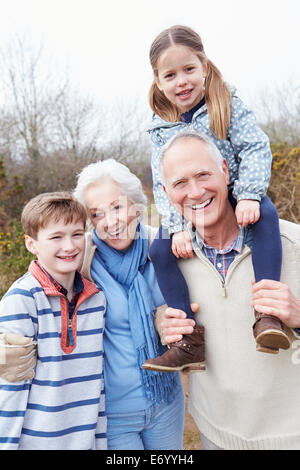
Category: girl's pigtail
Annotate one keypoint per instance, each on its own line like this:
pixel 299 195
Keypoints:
pixel 218 101
pixel 161 106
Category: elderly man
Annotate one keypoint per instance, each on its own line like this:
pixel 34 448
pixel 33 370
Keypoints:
pixel 244 400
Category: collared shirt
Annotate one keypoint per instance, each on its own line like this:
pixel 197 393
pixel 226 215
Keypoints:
pixel 78 287
pixel 222 259
pixel 78 284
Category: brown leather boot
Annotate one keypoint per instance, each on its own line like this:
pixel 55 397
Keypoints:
pixel 269 334
pixel 188 353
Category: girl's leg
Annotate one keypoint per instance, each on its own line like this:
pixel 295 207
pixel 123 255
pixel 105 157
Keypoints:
pixel 170 279
pixel 165 424
pixel 267 249
pixel 266 259
pixel 189 352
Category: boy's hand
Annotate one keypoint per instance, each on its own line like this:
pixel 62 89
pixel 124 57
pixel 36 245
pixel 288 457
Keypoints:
pixel 182 245
pixel 17 357
pixel 247 212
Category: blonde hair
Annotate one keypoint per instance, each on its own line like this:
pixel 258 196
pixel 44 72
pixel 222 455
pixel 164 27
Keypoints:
pixel 217 93
pixel 51 206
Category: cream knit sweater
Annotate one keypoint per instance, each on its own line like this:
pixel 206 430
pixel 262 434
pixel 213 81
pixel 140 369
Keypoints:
pixel 245 399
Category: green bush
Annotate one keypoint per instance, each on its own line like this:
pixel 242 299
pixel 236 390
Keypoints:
pixel 14 257
pixel 285 181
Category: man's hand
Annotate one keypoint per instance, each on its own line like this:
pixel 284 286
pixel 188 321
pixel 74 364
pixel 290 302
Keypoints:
pixel 17 357
pixel 276 298
pixel 175 324
pixel 247 212
pixel 182 245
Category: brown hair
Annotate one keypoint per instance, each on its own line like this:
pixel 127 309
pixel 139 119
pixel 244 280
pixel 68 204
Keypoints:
pixel 217 93
pixel 51 206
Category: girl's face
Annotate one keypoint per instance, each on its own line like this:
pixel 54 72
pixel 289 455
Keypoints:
pixel 112 214
pixel 180 76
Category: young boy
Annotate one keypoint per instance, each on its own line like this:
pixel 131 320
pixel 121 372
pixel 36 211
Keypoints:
pixel 63 406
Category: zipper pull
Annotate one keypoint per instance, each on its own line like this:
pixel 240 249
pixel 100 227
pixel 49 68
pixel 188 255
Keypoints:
pixel 70 331
pixel 223 290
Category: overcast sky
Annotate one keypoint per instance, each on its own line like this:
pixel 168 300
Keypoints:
pixel 255 43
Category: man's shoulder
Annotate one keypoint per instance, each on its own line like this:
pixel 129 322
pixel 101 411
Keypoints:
pixel 290 230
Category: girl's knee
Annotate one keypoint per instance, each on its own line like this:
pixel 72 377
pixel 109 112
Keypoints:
pixel 161 247
pixel 268 212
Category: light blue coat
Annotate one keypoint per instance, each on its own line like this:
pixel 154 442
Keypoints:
pixel 246 149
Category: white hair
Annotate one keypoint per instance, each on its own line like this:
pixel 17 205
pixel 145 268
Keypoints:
pixel 129 183
pixel 211 147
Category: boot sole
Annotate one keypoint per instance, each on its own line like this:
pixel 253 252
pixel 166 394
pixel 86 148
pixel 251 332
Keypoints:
pixel 266 350
pixel 273 339
pixel 193 366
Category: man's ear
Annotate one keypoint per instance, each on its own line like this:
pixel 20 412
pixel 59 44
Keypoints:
pixel 30 244
pixel 226 171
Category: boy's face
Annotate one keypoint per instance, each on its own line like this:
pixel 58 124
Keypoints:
pixel 59 247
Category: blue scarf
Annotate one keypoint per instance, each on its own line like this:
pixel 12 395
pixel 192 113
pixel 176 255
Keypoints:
pixel 127 267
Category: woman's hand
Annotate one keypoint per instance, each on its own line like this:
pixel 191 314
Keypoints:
pixel 17 357
pixel 182 245
pixel 247 212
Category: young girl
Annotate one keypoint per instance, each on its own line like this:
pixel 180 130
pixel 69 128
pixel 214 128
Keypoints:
pixel 188 90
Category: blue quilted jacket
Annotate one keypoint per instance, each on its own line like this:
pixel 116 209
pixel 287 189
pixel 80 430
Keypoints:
pixel 246 149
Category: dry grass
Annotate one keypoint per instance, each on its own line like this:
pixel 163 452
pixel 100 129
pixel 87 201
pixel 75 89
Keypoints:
pixel 191 438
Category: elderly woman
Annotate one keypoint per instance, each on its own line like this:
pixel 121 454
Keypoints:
pixel 145 409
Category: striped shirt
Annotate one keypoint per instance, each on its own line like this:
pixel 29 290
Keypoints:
pixel 63 407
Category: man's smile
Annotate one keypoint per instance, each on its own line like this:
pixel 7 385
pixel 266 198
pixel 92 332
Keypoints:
pixel 199 206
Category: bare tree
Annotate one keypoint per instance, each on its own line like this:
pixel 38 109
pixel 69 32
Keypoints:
pixel 126 137
pixel 279 111
pixel 41 115
pixel 79 124
pixel 32 91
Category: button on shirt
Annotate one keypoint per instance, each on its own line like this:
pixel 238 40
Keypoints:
pixel 222 259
